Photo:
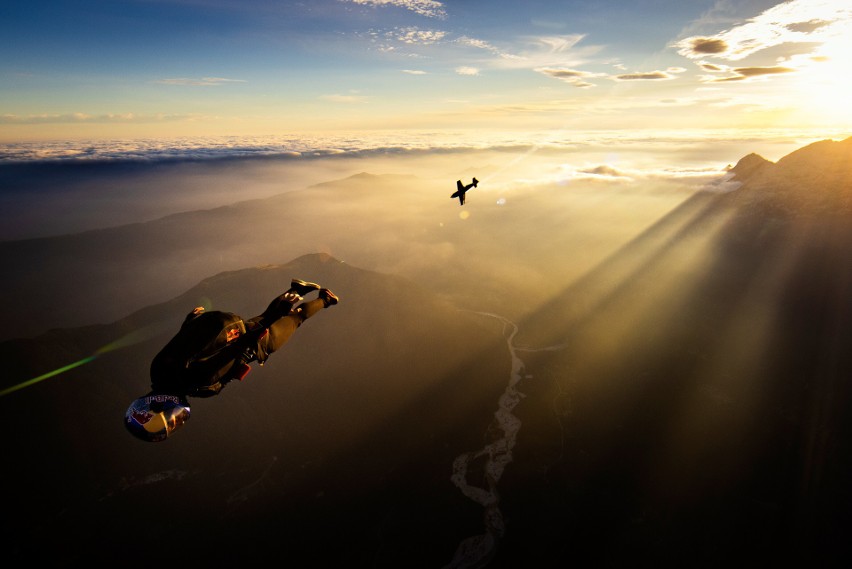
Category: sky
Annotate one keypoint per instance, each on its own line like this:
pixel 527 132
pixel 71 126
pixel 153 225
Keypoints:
pixel 153 69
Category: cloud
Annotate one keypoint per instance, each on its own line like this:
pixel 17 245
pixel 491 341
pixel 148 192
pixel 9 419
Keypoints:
pixel 477 43
pixel 644 76
pixel 742 73
pixel 559 44
pixel 546 51
pixel 572 76
pixel 721 185
pixel 196 82
pixel 757 71
pixel 807 27
pixel 567 74
pixel 703 46
pixel 792 22
pixel 413 35
pixel 712 67
pixel 428 8
pixel 348 99
pixel 604 171
pixel 702 178
pixel 87 118
pixel 531 52
pixel 717 148
pixel 466 70
pixel 414 71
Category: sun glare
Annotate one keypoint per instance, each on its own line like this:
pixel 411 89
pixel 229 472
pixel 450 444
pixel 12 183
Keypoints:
pixel 826 82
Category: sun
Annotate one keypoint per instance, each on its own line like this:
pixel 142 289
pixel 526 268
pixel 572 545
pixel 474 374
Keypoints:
pixel 825 82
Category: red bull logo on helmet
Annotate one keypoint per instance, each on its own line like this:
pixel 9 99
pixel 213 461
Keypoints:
pixel 154 417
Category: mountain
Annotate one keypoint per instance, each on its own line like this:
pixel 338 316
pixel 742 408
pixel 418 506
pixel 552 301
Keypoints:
pixel 700 402
pixel 814 180
pixel 102 275
pixel 748 166
pixel 522 249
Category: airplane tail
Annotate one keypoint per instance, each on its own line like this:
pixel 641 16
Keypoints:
pixel 475 181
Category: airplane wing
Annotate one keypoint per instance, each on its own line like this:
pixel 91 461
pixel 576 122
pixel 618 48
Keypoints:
pixel 459 186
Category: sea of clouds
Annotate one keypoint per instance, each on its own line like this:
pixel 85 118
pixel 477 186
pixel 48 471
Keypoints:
pixel 59 187
pixel 709 143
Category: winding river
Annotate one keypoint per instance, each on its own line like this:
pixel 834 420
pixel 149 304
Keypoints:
pixel 478 550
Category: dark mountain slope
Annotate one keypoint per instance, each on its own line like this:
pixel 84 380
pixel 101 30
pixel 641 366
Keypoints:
pixel 702 392
pixel 346 435
pixel 101 275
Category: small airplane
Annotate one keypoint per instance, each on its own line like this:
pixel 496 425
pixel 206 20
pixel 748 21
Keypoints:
pixel 461 190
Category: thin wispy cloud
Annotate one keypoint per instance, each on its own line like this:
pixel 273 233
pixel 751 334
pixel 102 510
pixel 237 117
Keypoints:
pixel 428 8
pixel 341 98
pixel 89 118
pixel 574 77
pixel 414 71
pixel 644 76
pixel 501 57
pixel 466 70
pixel 414 35
pixel 558 43
pixel 199 82
pixel 603 171
pixel 555 47
pixel 543 52
pixel 700 179
pixel 477 43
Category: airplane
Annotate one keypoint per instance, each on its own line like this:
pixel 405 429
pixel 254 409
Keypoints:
pixel 461 190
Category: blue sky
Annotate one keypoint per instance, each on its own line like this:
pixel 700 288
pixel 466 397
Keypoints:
pixel 157 68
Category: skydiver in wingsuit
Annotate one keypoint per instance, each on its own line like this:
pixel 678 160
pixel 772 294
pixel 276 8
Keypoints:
pixel 213 348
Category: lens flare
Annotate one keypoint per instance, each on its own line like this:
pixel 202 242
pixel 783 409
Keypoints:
pixel 129 339
pixel 47 375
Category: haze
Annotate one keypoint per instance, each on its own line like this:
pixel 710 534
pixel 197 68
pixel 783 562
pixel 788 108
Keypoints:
pixel 675 341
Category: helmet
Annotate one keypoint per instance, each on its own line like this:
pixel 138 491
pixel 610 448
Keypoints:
pixel 154 417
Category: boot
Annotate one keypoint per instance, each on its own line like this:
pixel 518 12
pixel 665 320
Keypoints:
pixel 302 288
pixel 328 297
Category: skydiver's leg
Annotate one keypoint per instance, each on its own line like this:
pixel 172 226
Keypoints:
pixel 283 328
pixel 277 309
pixel 283 304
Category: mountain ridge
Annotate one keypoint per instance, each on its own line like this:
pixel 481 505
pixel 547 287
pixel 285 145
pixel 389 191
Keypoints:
pixel 749 166
pixel 813 180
